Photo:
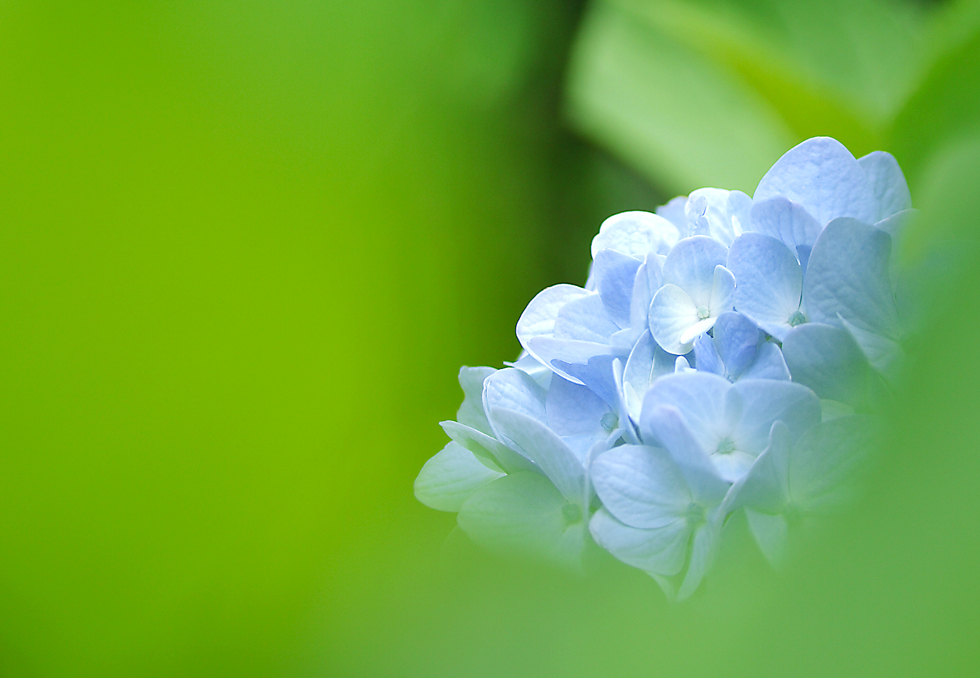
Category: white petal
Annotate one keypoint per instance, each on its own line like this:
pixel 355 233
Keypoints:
pixel 691 266
pixel 635 234
pixel 672 313
pixel 661 550
pixel 450 477
pixel 824 177
pixel 558 352
pixel 722 291
pixel 641 486
pixel 538 319
pixel 696 330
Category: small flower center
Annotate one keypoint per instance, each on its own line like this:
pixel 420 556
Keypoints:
pixel 726 446
pixel 797 319
pixel 609 422
pixel 703 312
pixel 572 513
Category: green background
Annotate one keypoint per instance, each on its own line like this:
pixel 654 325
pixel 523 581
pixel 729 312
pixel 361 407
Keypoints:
pixel 245 246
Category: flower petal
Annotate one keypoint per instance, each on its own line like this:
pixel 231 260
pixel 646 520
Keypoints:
pixel 615 274
pixel 847 278
pixel 641 486
pixel 691 266
pixel 785 220
pixel 542 445
pixel 701 399
pixel 770 532
pixel 635 234
pixel 471 411
pixel 824 177
pixel 574 410
pixel 490 451
pixel 764 401
pixel 585 319
pixel 829 361
pixel 889 185
pixel 662 550
pixel 647 361
pixel 521 513
pixel 450 477
pixel 672 313
pixel 769 281
pixel 769 364
pixel 737 342
pixel 538 319
pixel 825 463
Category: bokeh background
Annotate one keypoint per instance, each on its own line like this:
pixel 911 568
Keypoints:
pixel 245 246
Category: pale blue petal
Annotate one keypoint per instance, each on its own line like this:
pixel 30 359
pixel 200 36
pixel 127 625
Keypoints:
pixel 585 319
pixel 691 266
pixel 702 553
pixel 673 212
pixel 662 551
pixel 471 411
pixel 597 374
pixel 764 401
pixel 769 281
pixel 786 221
pixel 765 487
pixel 615 274
pixel 682 364
pixel 829 361
pixel 450 477
pixel 542 445
pixel 701 399
pixel 647 362
pixel 770 532
pixel 574 410
pixel 740 209
pixel 847 277
pixel 824 177
pixel 895 224
pixel 649 279
pixel 673 431
pixel 722 291
pixel 635 234
pixel 885 355
pixel 514 389
pixel 888 183
pixel 737 343
pixel 558 352
pixel 769 364
pixel 528 364
pixel 826 462
pixel 710 207
pixel 672 314
pixel 641 486
pixel 707 356
pixel 538 319
pixel 494 454
pixel 627 423
pixel 521 513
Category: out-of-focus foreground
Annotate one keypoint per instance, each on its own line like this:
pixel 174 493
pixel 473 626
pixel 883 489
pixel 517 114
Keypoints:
pixel 244 248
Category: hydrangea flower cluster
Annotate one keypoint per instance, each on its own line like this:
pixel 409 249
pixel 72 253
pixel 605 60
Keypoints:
pixel 726 354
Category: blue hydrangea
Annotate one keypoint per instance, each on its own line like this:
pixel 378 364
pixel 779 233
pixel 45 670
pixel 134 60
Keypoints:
pixel 726 354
